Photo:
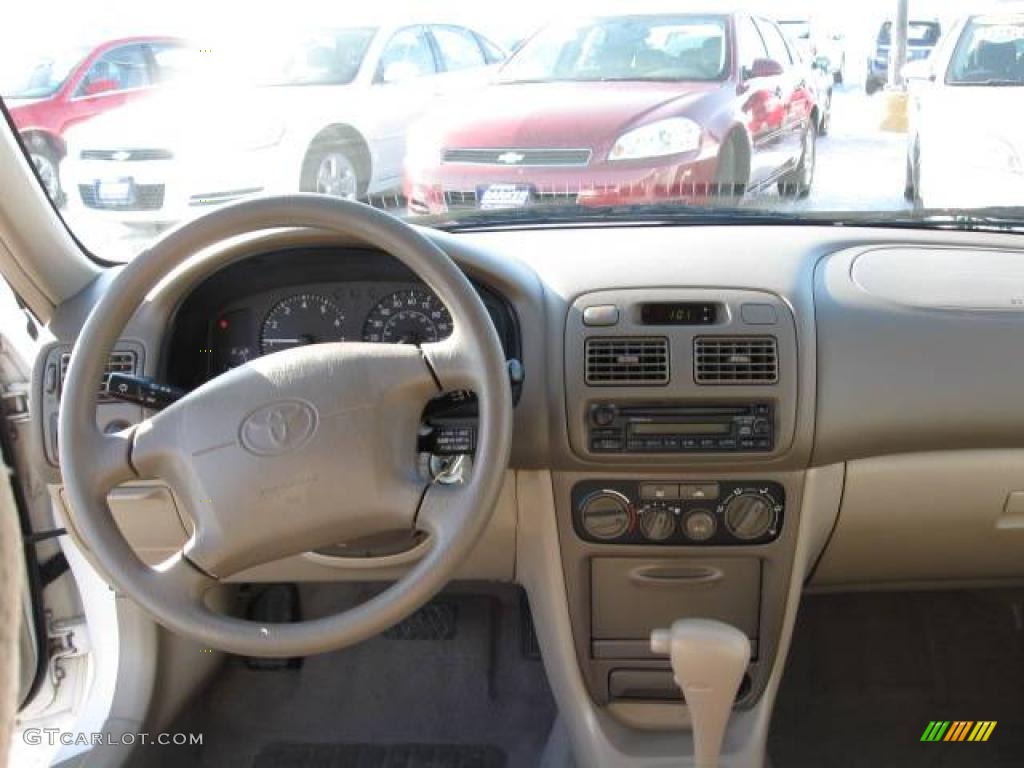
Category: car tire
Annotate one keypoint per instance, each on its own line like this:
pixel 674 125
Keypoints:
pixel 797 183
pixel 332 168
pixel 47 164
pixel 731 173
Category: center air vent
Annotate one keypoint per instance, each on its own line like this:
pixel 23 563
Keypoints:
pixel 735 360
pixel 118 362
pixel 623 362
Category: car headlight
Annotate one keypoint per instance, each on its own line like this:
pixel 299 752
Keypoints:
pixel 423 149
pixel 672 136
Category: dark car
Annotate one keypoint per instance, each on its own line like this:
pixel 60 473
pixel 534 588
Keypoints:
pixel 625 109
pixel 922 37
pixel 58 90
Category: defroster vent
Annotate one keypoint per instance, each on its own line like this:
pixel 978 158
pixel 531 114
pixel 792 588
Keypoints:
pixel 735 360
pixel 627 362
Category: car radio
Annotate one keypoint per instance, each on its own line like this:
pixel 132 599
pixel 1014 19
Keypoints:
pixel 679 428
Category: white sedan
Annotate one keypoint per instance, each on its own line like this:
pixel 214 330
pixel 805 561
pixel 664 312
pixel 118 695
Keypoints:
pixel 326 113
pixel 965 146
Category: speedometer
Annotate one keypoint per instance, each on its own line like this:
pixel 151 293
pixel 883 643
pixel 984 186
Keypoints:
pixel 306 318
pixel 415 316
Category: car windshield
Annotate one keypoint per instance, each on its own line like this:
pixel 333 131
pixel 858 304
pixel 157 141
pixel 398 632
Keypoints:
pixel 326 57
pixel 38 76
pixel 919 33
pixel 991 51
pixel 798 30
pixel 459 114
pixel 624 48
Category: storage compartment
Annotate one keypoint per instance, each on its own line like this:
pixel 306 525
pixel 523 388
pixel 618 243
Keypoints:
pixel 942 516
pixel 632 596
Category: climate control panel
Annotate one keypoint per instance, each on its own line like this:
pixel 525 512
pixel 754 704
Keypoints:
pixel 694 513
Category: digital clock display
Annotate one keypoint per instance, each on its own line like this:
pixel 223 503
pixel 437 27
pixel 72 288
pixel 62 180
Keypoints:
pixel 679 313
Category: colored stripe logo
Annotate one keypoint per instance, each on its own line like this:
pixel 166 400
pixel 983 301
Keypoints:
pixel 958 730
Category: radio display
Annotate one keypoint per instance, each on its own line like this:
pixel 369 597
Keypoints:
pixel 679 313
pixel 720 428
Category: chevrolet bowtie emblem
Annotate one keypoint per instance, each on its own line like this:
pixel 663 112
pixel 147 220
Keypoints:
pixel 511 158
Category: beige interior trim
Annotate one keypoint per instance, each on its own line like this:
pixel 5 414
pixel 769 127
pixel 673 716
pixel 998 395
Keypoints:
pixel 945 517
pixel 38 256
pixel 12 580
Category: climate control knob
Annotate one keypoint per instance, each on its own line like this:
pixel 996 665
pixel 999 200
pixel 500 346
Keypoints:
pixel 750 515
pixel 657 522
pixel 606 515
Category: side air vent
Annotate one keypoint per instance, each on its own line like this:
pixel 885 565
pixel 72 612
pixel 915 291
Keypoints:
pixel 625 362
pixel 119 362
pixel 735 360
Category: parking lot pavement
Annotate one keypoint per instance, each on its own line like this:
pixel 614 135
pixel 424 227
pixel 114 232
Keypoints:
pixel 860 167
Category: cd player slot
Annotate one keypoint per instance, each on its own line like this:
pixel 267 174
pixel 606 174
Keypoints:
pixel 674 428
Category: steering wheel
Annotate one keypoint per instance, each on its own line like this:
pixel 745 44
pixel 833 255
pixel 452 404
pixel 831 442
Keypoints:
pixel 307 447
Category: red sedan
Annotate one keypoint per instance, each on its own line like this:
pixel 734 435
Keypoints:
pixel 58 90
pixel 625 110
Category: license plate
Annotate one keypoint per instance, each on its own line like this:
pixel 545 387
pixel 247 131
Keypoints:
pixel 498 196
pixel 116 192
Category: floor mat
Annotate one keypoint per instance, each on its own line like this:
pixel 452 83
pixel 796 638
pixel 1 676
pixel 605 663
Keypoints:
pixel 379 756
pixel 868 672
pixel 454 676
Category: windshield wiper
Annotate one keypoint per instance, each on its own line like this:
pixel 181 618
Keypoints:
pixel 991 82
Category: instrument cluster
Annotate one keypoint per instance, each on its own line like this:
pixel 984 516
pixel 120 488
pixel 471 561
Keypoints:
pixel 376 312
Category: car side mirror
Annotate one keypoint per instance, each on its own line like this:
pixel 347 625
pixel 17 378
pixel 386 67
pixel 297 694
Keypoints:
pixel 765 68
pixel 103 85
pixel 919 70
pixel 399 71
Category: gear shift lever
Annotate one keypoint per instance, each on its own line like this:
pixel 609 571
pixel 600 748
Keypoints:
pixel 708 662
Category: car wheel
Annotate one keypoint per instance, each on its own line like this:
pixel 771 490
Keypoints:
pixel 797 183
pixel 731 174
pixel 331 169
pixel 47 165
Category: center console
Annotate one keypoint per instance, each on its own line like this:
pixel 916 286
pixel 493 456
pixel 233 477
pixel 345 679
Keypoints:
pixel 682 406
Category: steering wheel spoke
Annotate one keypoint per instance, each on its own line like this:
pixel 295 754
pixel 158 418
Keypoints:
pixel 453 363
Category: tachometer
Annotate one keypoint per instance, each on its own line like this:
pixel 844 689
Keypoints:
pixel 414 316
pixel 306 318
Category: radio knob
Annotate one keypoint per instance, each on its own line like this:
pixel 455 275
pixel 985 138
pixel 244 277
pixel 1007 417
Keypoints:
pixel 749 515
pixel 603 415
pixel 606 515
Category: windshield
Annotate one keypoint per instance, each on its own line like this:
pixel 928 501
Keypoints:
pixel 918 33
pixel 468 115
pixel 40 76
pixel 328 57
pixel 798 30
pixel 991 50
pixel 624 48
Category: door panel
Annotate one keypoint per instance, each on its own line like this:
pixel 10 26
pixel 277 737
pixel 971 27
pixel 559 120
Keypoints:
pixel 761 105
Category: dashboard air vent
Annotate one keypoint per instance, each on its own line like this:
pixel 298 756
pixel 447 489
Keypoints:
pixel 118 362
pixel 735 360
pixel 627 362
